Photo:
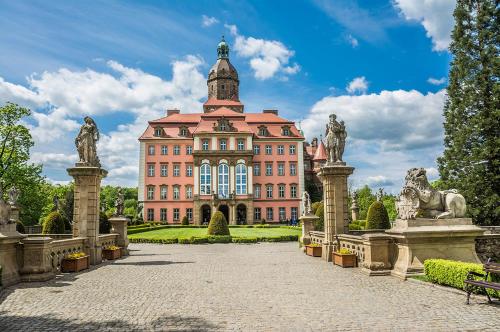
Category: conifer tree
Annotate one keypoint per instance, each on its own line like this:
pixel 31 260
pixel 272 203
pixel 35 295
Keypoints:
pixel 471 159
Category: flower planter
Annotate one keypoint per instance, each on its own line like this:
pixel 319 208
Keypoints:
pixel 313 251
pixel 111 254
pixel 75 265
pixel 344 260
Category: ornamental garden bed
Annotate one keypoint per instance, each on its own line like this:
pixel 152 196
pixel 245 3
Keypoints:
pixel 344 258
pixel 314 250
pixel 111 253
pixel 75 262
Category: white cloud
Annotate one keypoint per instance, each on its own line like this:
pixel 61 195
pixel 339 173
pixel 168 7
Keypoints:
pixel 353 41
pixel 62 98
pixel 359 84
pixel 436 16
pixel 267 57
pixel 436 81
pixel 207 21
pixel 379 181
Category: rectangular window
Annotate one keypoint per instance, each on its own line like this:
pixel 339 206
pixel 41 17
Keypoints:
pixel 223 144
pixel 189 192
pixel 269 214
pixel 293 169
pixel 281 149
pixel 256 214
pixel 177 150
pixel 292 149
pixel 269 149
pixel 293 191
pixel 256 191
pixel 294 213
pixel 269 169
pixel 269 191
pixel 177 192
pixel 163 214
pixel 163 192
pixel 151 192
pixel 176 214
pixel 189 150
pixel 189 213
pixel 177 170
pixel 204 145
pixel 189 170
pixel 282 213
pixel 281 169
pixel 256 149
pixel 164 170
pixel 151 170
pixel 286 131
pixel 241 144
pixel 281 191
pixel 151 150
pixel 164 150
pixel 151 214
pixel 256 169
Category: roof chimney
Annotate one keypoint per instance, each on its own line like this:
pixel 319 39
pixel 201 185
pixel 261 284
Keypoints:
pixel 275 112
pixel 173 111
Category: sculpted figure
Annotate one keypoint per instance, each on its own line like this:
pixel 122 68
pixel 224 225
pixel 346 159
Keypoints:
pixel 13 195
pixel 86 143
pixel 119 203
pixel 380 194
pixel 417 196
pixel 335 136
pixel 55 201
pixel 342 136
pixel 4 209
pixel 306 203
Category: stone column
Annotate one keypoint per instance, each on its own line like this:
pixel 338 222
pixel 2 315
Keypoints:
pixel 334 177
pixel 119 225
pixel 307 222
pixel 37 265
pixel 377 254
pixel 9 239
pixel 86 207
pixel 354 211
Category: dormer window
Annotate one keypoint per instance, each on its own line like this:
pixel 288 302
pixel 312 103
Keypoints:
pixel 183 131
pixel 263 131
pixel 158 132
pixel 285 131
pixel 223 124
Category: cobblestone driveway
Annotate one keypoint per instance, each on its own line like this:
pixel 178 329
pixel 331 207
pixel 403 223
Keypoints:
pixel 269 286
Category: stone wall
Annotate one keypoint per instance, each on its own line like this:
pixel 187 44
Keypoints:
pixel 488 246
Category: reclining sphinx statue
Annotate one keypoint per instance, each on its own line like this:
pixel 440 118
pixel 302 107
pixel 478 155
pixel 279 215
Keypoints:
pixel 418 198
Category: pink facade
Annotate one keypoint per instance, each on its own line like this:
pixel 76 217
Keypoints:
pixel 250 166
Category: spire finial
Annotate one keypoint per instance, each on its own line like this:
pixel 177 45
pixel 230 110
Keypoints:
pixel 223 49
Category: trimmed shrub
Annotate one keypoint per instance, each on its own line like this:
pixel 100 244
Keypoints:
pixel 377 218
pixel 53 223
pixel 20 227
pixel 244 240
pixel 220 238
pixel 320 224
pixel 453 273
pixel 185 221
pixel 362 223
pixel 218 225
pixel 263 226
pixel 184 240
pixel 315 206
pixel 104 224
pixel 354 227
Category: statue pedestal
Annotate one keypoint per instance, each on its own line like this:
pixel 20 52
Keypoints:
pixel 86 209
pixel 334 177
pixel 119 225
pixel 9 239
pixel 307 222
pixel 421 239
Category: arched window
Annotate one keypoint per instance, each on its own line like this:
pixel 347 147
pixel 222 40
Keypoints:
pixel 223 181
pixel 241 179
pixel 205 179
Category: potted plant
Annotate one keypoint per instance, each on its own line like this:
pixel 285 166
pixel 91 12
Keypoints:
pixel 111 253
pixel 314 249
pixel 75 262
pixel 345 258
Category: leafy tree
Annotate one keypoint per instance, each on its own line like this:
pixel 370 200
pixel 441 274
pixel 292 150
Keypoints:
pixel 471 158
pixel 109 194
pixel 390 206
pixel 104 224
pixel 365 199
pixel 185 221
pixel 15 168
pixel 319 225
pixel 315 194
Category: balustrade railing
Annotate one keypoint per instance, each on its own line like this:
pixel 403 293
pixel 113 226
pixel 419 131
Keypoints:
pixel 62 248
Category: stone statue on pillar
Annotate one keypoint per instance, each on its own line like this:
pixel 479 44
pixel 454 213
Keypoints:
pixel 354 207
pixel 380 194
pixel 306 204
pixel 335 137
pixel 119 203
pixel 13 195
pixel 86 143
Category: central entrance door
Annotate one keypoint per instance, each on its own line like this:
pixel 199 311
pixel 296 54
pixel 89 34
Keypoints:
pixel 241 214
pixel 225 211
pixel 205 214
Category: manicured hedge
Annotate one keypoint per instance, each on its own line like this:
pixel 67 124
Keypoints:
pixel 145 229
pixel 244 240
pixel 377 217
pixel 453 273
pixel 216 239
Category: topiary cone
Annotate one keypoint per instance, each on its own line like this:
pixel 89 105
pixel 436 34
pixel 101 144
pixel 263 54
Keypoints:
pixel 377 218
pixel 218 225
pixel 53 223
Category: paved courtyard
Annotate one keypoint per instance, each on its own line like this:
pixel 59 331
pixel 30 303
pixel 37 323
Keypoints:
pixel 263 287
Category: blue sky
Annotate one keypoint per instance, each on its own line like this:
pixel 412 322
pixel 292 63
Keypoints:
pixel 379 65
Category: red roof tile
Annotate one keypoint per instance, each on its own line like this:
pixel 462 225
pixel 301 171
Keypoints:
pixel 320 152
pixel 222 102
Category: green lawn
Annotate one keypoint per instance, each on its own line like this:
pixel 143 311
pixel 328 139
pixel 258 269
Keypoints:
pixel 247 233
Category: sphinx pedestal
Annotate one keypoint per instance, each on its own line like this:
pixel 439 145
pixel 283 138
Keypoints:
pixel 86 209
pixel 421 239
pixel 334 177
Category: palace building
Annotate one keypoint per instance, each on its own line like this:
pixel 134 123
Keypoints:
pixel 249 166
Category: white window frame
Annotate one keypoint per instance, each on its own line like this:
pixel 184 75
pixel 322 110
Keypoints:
pixel 164 150
pixel 163 170
pixel 205 179
pixel 151 150
pixel 281 191
pixel 163 192
pixel 241 144
pixel 151 170
pixel 281 149
pixel 189 170
pixel 177 192
pixel 256 149
pixel 292 149
pixel 204 145
pixel 177 150
pixel 189 150
pixel 269 191
pixel 177 170
pixel 223 144
pixel 241 179
pixel 269 149
pixel 223 183
pixel 281 168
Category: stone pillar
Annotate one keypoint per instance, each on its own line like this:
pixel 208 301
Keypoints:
pixel 232 214
pixel 86 207
pixel 354 211
pixel 37 265
pixel 334 178
pixel 307 222
pixel 377 254
pixel 9 239
pixel 119 225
